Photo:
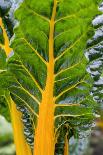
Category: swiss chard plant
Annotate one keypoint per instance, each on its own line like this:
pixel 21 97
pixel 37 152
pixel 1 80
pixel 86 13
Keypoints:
pixel 44 74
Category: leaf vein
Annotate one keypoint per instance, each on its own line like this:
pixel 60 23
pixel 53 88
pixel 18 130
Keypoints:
pixel 25 104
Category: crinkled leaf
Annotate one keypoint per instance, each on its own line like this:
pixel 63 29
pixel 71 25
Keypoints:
pixel 72 83
pixel 95 56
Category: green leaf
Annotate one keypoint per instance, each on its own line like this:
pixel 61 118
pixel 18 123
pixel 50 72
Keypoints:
pixel 48 46
pixel 1 36
pixel 4 105
pixel 4 95
pixel 95 68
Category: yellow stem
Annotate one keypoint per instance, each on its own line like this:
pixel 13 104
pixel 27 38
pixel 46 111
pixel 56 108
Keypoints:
pixel 22 147
pixel 66 147
pixel 6 42
pixel 44 138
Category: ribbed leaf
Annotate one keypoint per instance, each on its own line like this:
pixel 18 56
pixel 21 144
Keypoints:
pixel 49 66
pixel 4 95
pixel 95 56
pixel 4 108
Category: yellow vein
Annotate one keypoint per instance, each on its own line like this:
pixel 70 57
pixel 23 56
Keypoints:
pixel 70 115
pixel 61 126
pixel 63 70
pixel 27 92
pixel 37 53
pixel 26 104
pixel 70 104
pixel 44 35
pixel 61 79
pixel 66 17
pixel 45 127
pixel 6 42
pixel 58 57
pixel 69 89
pixel 30 95
pixel 33 78
pixel 61 33
pixel 8 103
pixel 69 16
pixel 66 105
pixel 35 13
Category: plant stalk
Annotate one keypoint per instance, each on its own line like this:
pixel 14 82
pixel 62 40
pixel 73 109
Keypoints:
pixel 66 146
pixel 22 147
pixel 44 137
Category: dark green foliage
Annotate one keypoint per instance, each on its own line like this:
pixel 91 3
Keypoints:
pixel 1 36
pixel 28 125
pixel 27 69
pixel 95 55
pixel 4 94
